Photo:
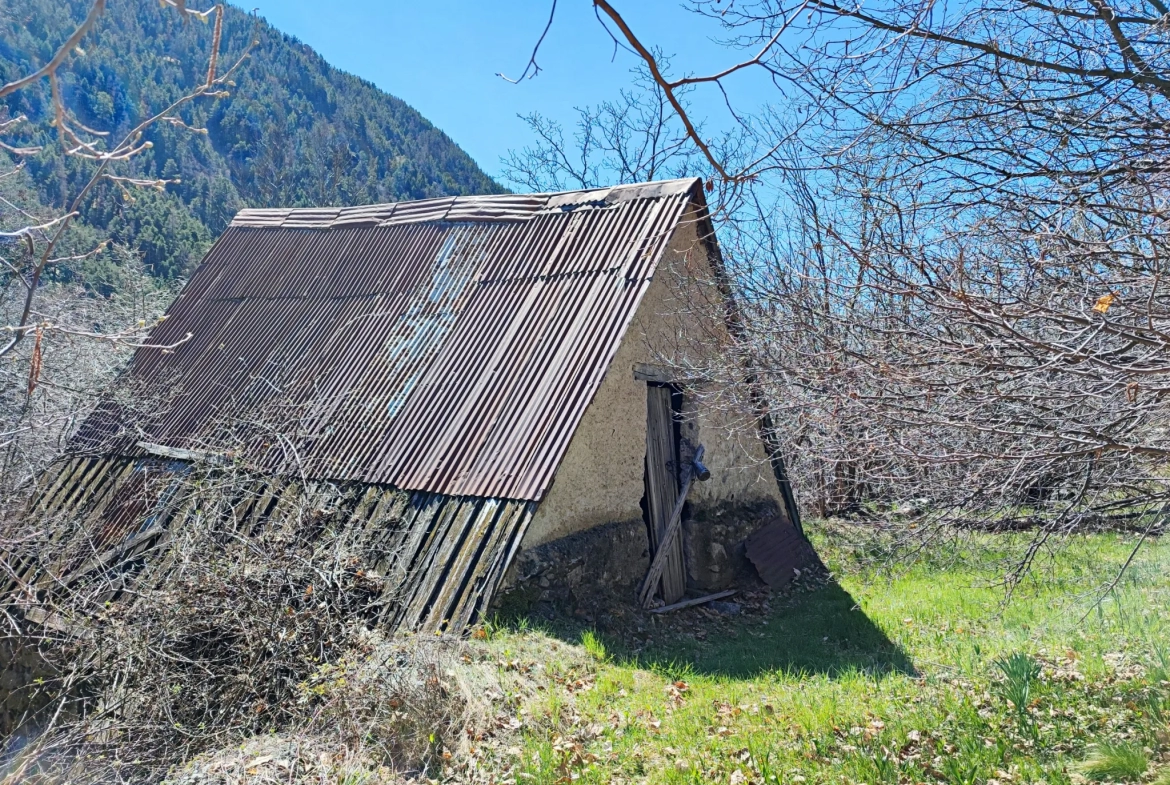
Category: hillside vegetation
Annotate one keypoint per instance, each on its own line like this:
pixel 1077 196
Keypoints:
pixel 294 131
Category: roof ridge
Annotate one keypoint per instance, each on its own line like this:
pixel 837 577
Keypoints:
pixel 472 208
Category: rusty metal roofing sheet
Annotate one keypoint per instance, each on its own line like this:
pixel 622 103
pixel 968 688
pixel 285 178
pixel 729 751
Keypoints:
pixel 778 550
pixel 497 207
pixel 449 345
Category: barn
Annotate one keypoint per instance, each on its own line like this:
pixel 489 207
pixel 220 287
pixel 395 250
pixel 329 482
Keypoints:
pixel 494 393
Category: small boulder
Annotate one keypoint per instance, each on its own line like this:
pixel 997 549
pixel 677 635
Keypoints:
pixel 725 608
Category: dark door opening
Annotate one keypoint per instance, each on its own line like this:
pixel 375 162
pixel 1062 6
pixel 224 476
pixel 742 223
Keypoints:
pixel 662 489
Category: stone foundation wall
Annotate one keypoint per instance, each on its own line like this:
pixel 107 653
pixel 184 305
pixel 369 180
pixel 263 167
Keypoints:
pixel 597 566
pixel 713 544
pixel 604 565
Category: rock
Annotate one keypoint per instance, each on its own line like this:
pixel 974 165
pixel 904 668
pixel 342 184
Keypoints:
pixel 725 608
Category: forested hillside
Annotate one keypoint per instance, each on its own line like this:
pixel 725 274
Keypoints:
pixel 292 132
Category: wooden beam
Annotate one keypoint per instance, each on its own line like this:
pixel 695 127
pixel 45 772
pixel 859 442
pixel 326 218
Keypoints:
pixel 696 601
pixel 645 372
pixel 103 560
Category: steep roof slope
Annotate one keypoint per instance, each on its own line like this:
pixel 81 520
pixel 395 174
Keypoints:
pixel 448 345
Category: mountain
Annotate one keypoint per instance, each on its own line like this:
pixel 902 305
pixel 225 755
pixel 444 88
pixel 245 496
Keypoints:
pixel 293 131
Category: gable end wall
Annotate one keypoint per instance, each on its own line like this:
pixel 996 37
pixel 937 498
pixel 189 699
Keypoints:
pixel 600 479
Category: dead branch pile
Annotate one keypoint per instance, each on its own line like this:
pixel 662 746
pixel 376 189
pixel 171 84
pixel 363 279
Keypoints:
pixel 128 672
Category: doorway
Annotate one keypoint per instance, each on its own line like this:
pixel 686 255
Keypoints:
pixel 663 402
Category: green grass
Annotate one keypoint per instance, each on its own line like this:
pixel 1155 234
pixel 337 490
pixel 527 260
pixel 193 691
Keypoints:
pixel 907 674
pixel 593 646
pixel 1115 762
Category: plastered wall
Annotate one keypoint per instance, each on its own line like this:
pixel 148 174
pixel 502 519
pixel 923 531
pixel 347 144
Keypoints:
pixel 600 479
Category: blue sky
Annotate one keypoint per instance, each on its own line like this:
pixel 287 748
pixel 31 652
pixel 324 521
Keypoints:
pixel 441 57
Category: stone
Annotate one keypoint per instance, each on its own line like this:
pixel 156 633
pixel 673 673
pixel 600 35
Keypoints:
pixel 725 608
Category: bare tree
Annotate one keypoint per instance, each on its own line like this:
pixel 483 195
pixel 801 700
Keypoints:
pixel 979 278
pixel 949 246
pixel 634 138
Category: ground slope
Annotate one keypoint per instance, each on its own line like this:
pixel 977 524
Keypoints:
pixel 885 675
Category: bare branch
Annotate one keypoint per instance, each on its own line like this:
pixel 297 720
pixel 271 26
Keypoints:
pixel 62 53
pixel 532 69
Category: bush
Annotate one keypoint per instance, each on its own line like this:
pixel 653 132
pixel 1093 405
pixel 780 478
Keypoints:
pixel 229 635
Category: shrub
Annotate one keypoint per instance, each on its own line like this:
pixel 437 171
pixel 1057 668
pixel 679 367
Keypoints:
pixel 235 636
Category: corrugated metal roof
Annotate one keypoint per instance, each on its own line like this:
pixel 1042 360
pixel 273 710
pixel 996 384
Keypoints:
pixel 449 345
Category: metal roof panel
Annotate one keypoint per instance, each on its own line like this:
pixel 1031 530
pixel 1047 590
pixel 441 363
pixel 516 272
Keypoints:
pixel 447 346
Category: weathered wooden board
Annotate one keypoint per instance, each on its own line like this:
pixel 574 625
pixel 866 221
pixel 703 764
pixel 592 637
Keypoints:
pixel 662 488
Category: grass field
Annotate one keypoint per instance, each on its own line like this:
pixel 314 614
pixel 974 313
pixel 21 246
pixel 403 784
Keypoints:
pixel 889 674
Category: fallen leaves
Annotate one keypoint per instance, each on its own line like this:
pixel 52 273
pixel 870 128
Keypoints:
pixel 1104 302
pixel 580 685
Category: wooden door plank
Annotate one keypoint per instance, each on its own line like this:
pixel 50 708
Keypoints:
pixel 662 489
pixel 695 601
